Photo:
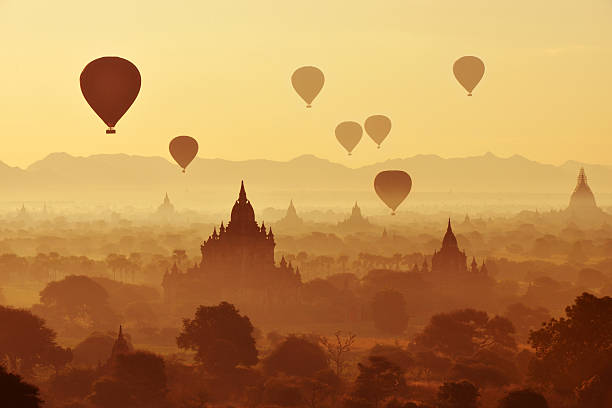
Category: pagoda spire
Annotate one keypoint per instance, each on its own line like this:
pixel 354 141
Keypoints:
pixel 242 195
pixel 449 240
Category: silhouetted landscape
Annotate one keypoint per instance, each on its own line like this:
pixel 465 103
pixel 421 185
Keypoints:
pixel 162 311
pixel 320 204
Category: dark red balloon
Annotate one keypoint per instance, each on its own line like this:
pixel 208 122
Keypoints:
pixel 183 150
pixel 392 186
pixel 110 85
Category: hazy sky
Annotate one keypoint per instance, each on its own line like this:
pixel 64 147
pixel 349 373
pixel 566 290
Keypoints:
pixel 220 71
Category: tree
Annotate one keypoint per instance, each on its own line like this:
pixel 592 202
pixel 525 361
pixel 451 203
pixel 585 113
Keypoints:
pixel 12 267
pixel 573 349
pixel 296 356
pixel 24 339
pixel 79 301
pixel 219 327
pixel 523 399
pixel 58 357
pixel 395 354
pixel 15 393
pixel 596 391
pixel 525 318
pixel 94 350
pixel 74 383
pixel 337 350
pixel 461 394
pixel 389 312
pixel 138 380
pixel 463 332
pixel 378 379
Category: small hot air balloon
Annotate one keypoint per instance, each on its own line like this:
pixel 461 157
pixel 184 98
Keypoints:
pixel 308 82
pixel 110 85
pixel 469 71
pixel 392 186
pixel 378 127
pixel 183 149
pixel 349 134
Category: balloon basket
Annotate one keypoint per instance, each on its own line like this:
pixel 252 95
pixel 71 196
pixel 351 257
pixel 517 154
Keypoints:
pixel 350 154
pixel 378 147
pixel 183 170
pixel 469 94
pixel 110 131
pixel 393 213
pixel 309 106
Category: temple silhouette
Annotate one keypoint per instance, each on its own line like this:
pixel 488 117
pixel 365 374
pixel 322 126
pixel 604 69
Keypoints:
pixel 356 222
pixel 237 264
pixel 165 211
pixel 291 220
pixel 121 346
pixel 450 260
pixel 582 206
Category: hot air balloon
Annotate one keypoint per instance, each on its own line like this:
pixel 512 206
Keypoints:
pixel 349 134
pixel 378 127
pixel 469 71
pixel 308 82
pixel 110 85
pixel 183 149
pixel 392 186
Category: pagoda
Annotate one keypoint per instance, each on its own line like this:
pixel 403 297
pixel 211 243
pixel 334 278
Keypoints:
pixel 449 259
pixel 582 205
pixel 356 222
pixel 166 209
pixel 291 219
pixel 237 262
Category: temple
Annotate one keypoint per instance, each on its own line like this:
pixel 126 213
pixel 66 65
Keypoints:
pixel 356 222
pixel 121 346
pixel 449 259
pixel 166 210
pixel 582 205
pixel 237 262
pixel 291 220
pixel 582 198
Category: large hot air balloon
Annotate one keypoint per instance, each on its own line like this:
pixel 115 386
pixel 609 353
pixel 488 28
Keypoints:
pixel 378 127
pixel 308 82
pixel 110 85
pixel 392 186
pixel 183 149
pixel 469 71
pixel 349 134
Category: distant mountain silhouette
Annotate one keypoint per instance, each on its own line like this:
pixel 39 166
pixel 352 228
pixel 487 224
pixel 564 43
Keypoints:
pixel 118 177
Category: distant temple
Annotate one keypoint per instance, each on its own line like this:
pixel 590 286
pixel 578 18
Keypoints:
pixel 449 259
pixel 291 219
pixel 356 222
pixel 582 198
pixel 22 214
pixel 236 262
pixel 166 209
pixel 121 346
pixel 582 206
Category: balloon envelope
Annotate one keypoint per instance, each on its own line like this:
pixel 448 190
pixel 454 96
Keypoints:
pixel 349 134
pixel 392 186
pixel 469 71
pixel 378 127
pixel 110 85
pixel 308 82
pixel 183 149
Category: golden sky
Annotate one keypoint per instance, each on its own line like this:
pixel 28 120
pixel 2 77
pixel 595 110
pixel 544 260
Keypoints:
pixel 220 71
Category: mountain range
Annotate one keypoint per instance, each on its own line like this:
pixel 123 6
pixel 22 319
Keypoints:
pixel 126 178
